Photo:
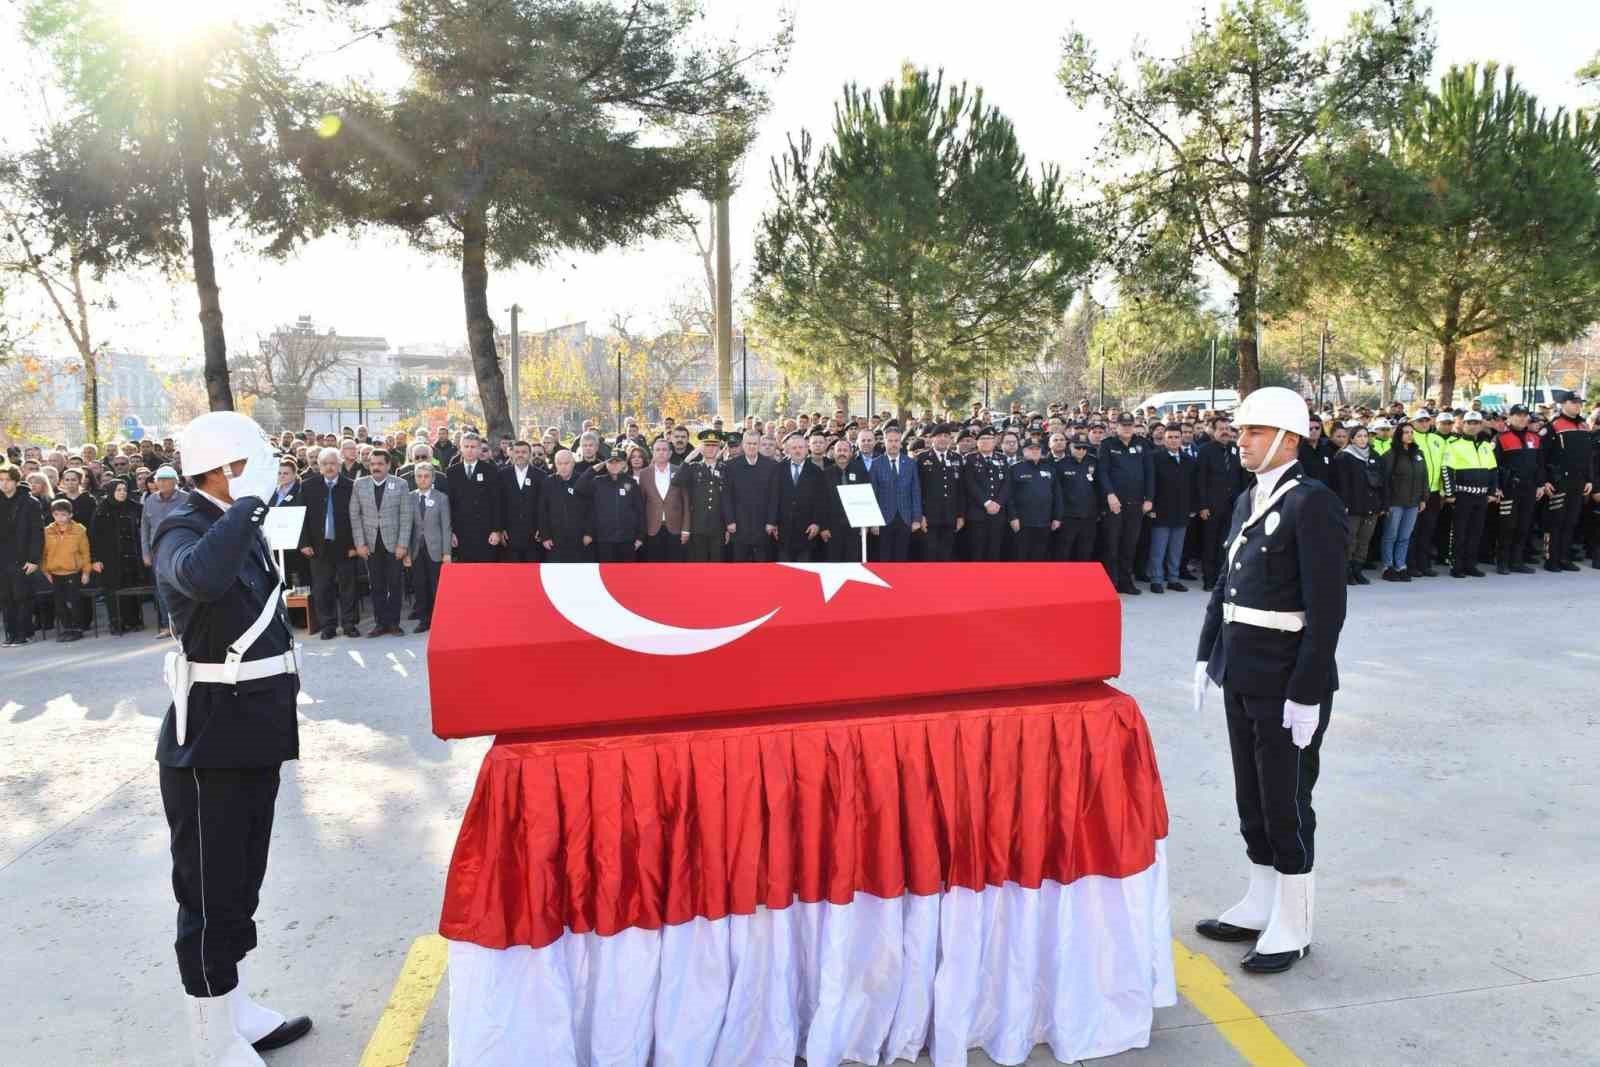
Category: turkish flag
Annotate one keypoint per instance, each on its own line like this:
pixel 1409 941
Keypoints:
pixel 552 648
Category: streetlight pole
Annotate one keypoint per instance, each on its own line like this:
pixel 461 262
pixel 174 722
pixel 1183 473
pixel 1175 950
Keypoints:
pixel 1213 374
pixel 1322 365
pixel 361 406
pixel 619 388
pixel 1102 377
pixel 744 371
pixel 516 391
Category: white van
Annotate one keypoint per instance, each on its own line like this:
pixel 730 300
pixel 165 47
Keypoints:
pixel 1167 403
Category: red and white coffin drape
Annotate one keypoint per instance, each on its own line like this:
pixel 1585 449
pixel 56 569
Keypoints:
pixel 979 871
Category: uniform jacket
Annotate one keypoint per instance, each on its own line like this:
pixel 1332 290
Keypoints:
pixel 519 506
pixel 705 489
pixel 430 523
pixel 391 521
pixel 616 506
pixel 1080 496
pixel 800 504
pixel 1296 563
pixel 1520 460
pixel 899 496
pixel 1124 470
pixel 1432 446
pixel 1316 461
pixel 1175 488
pixel 1035 496
pixel 943 501
pixel 752 497
pixel 671 510
pixel 474 501
pixel 214 574
pixel 1469 467
pixel 22 539
pixel 1569 453
pixel 983 480
pixel 1219 476
pixel 314 494
pixel 563 512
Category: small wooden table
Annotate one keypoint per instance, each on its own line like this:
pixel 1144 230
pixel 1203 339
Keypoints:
pixel 302 602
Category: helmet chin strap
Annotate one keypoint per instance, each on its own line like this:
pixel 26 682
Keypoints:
pixel 1273 451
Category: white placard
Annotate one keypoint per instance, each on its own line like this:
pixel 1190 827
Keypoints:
pixel 282 528
pixel 860 505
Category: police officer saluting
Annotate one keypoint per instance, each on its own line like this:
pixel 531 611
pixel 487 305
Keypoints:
pixel 231 724
pixel 1271 630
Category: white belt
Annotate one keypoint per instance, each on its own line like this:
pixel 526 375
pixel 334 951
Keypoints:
pixel 249 670
pixel 1288 621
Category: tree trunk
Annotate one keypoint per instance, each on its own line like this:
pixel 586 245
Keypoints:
pixel 292 407
pixel 196 142
pixel 1450 346
pixel 841 402
pixel 1245 325
pixel 905 380
pixel 480 327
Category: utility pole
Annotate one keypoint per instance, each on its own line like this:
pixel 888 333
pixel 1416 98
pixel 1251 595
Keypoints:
pixel 619 388
pixel 516 391
pixel 361 404
pixel 1322 366
pixel 1213 374
pixel 744 370
pixel 1102 377
pixel 724 307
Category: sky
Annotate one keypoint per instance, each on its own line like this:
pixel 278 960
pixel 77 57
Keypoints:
pixel 1011 48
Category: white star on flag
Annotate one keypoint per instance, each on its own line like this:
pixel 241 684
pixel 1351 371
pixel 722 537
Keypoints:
pixel 835 575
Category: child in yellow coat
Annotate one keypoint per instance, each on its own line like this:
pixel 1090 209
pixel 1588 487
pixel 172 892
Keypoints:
pixel 66 566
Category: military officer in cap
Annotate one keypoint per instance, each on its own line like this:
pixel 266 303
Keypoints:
pixel 230 726
pixel 710 511
pixel 1271 630
pixel 987 491
pixel 943 507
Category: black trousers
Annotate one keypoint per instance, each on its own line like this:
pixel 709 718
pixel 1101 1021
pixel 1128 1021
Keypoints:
pixel 1214 543
pixel 894 541
pixel 65 588
pixel 753 551
pixel 474 547
pixel 1466 531
pixel 1033 544
pixel 799 549
pixel 1122 540
pixel 939 544
pixel 1563 521
pixel 1515 525
pixel 16 601
pixel 614 551
pixel 220 821
pixel 569 550
pixel 664 546
pixel 1272 782
pixel 1074 542
pixel 333 586
pixel 986 538
pixel 525 552
pixel 843 546
pixel 386 580
pixel 1420 556
pixel 424 583
pixel 705 548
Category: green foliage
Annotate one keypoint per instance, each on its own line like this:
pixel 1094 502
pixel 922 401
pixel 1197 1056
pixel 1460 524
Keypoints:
pixel 1481 219
pixel 405 396
pixel 1151 342
pixel 534 128
pixel 916 240
pixel 1224 142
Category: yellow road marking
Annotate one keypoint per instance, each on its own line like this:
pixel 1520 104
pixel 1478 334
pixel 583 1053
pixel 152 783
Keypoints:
pixel 1203 984
pixel 413 991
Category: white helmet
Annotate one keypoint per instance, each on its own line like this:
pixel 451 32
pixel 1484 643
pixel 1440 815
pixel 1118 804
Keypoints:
pixel 218 438
pixel 1274 406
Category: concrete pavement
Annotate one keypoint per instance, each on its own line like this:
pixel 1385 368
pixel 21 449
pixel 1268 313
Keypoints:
pixel 1459 840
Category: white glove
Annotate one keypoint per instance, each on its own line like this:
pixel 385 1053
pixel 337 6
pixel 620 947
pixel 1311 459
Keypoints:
pixel 1301 721
pixel 1202 683
pixel 259 477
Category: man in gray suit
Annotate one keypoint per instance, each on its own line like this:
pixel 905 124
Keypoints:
pixel 380 525
pixel 430 541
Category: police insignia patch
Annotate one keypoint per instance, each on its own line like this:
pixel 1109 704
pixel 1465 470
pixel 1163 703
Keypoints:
pixel 1271 523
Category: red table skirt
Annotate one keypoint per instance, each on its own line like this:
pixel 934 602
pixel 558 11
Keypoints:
pixel 641 830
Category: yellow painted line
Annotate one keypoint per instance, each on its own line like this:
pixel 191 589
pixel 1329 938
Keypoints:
pixel 1203 984
pixel 413 991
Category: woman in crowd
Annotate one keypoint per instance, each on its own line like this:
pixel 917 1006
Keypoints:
pixel 1359 482
pixel 1405 480
pixel 114 547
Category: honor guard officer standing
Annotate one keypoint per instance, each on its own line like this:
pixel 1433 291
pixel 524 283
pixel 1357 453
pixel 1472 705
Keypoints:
pixel 231 724
pixel 710 513
pixel 1272 626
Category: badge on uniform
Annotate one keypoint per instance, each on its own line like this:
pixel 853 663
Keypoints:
pixel 569 490
pixel 622 491
pixel 852 475
pixel 427 501
pixel 480 476
pixel 1044 474
pixel 1270 523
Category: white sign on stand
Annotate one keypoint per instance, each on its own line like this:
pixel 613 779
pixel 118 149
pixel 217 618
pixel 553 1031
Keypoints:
pixel 861 511
pixel 281 528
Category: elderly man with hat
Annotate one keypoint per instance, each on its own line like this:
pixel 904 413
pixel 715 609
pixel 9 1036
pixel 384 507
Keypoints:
pixel 231 725
pixel 1271 630
pixel 157 506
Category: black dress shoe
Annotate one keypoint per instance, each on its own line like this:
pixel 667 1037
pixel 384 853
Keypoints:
pixel 329 635
pixel 1476 573
pixel 1553 568
pixel 1570 566
pixel 1209 586
pixel 1217 930
pixel 351 631
pixel 291 1031
pixel 1273 962
pixel 421 628
pixel 1178 587
pixel 1522 568
pixel 1156 587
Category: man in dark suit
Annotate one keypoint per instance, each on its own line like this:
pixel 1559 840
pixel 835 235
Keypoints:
pixel 1174 480
pixel 753 486
pixel 801 506
pixel 1219 479
pixel 943 505
pixel 327 541
pixel 898 487
pixel 519 505
pixel 473 486
pixel 1270 635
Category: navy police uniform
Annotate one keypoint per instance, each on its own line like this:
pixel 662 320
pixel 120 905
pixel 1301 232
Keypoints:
pixel 1125 471
pixel 942 502
pixel 1285 560
pixel 219 786
pixel 984 478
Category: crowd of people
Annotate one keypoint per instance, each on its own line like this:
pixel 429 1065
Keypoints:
pixel 1149 494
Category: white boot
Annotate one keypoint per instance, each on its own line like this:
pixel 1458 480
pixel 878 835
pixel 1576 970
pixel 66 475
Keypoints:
pixel 1253 912
pixel 1289 928
pixel 251 1020
pixel 216 1043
